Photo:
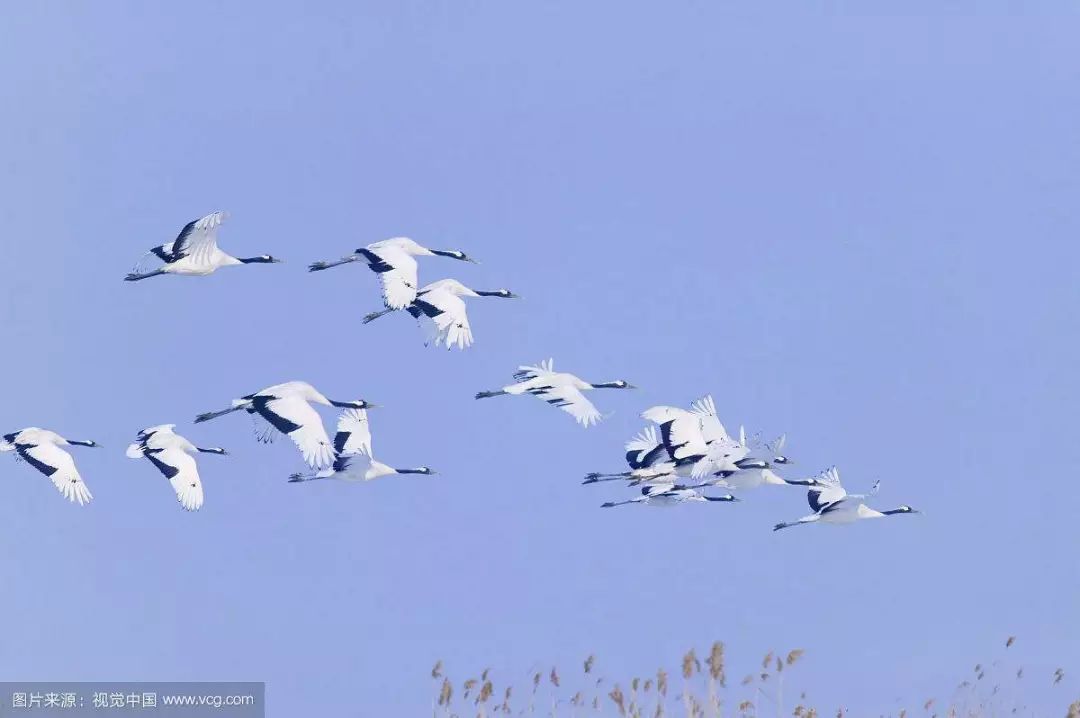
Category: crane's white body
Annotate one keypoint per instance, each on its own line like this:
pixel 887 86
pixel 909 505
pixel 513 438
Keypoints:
pixel 194 252
pixel 440 310
pixel 42 449
pixel 665 496
pixel 394 260
pixel 286 409
pixel 559 389
pixel 749 471
pixel 832 504
pixel 352 469
pixel 353 455
pixel 172 455
pixel 746 479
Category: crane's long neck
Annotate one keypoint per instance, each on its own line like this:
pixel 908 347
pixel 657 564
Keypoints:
pixel 801 482
pixel 316 398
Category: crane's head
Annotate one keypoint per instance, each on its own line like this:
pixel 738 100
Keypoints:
pixel 262 259
pixel 618 384
pixel 778 459
pixel 905 509
pixel 88 442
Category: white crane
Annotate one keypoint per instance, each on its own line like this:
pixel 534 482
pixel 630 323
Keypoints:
pixel 194 252
pixel 696 437
pixel 287 409
pixel 558 389
pixel 832 504
pixel 357 468
pixel 42 450
pixel 394 261
pixel 353 458
pixel 752 472
pixel 171 454
pixel 666 495
pixel 440 309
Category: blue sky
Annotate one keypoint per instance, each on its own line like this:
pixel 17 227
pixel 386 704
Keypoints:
pixel 858 227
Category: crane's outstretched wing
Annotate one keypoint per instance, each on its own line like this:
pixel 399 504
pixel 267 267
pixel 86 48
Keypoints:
pixel 180 469
pixel 719 456
pixel 832 491
pixel 353 434
pixel 570 399
pixel 645 449
pixel 57 464
pixel 198 240
pixel 149 431
pixel 187 484
pixel 526 372
pixel 446 319
pixel 397 274
pixel 682 437
pixel 295 418
pixel 711 428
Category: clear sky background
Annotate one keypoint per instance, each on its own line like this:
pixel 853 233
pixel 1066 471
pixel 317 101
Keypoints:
pixel 859 227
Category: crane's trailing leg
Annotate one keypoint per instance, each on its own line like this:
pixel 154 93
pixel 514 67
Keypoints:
pixel 133 277
pixel 375 315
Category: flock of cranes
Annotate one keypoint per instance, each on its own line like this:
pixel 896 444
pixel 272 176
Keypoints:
pixel 674 460
pixel 685 451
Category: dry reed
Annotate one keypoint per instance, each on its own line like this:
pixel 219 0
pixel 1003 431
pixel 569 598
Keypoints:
pixel 705 692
